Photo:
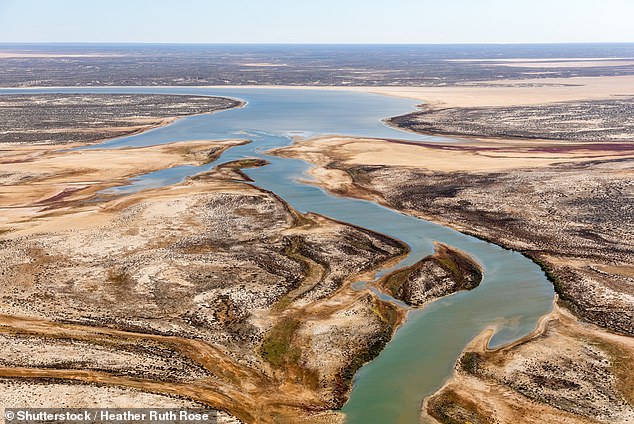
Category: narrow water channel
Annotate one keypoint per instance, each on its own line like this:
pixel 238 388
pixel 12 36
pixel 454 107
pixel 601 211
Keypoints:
pixel 514 292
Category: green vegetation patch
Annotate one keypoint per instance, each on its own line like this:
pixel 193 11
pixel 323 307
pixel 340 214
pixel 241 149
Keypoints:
pixel 360 174
pixel 277 348
pixel 301 220
pixel 620 365
pixel 244 163
pixel 311 270
pixel 279 351
pixel 550 275
pixel 565 299
pixel 464 270
pixel 395 281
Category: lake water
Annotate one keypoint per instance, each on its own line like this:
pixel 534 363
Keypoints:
pixel 514 292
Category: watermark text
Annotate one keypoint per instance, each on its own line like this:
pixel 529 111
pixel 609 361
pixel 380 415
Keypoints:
pixel 109 415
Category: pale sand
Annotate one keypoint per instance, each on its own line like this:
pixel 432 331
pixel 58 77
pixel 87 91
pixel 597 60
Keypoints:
pixel 34 177
pixel 466 156
pixel 477 94
pixel 472 156
pixel 543 59
pixel 515 92
pixel 494 93
pixel 263 64
pixel 580 64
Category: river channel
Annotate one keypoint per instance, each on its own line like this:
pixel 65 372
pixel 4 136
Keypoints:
pixel 514 292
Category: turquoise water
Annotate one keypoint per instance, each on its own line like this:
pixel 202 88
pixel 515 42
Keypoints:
pixel 514 292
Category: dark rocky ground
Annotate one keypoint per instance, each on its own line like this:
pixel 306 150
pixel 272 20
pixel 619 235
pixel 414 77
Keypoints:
pixel 599 120
pixel 67 118
pixel 575 219
pixel 446 271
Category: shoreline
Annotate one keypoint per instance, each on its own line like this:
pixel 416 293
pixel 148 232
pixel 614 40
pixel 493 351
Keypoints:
pixel 50 164
pixel 136 124
pixel 559 327
pixel 484 94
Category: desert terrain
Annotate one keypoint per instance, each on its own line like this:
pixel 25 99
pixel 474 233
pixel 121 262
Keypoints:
pixel 561 200
pixel 212 292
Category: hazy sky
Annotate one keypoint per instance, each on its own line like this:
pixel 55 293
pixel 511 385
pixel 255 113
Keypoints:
pixel 320 21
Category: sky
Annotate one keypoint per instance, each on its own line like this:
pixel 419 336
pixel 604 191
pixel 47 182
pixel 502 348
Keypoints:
pixel 317 21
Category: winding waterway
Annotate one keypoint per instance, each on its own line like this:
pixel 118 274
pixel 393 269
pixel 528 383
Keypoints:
pixel 514 292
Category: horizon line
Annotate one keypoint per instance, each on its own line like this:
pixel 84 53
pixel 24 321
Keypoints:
pixel 343 43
